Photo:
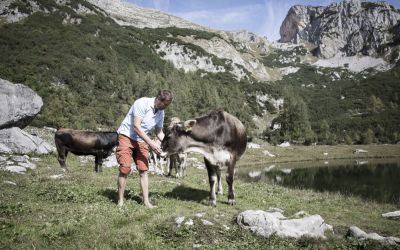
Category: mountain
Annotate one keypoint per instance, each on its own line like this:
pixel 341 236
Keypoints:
pixel 350 27
pixel 89 60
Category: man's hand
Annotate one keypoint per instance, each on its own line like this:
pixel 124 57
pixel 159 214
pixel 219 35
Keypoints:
pixel 154 146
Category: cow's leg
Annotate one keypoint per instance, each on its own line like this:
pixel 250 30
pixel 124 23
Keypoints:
pixel 229 180
pixel 98 161
pixel 219 181
pixel 212 177
pixel 62 155
pixel 183 165
pixel 171 162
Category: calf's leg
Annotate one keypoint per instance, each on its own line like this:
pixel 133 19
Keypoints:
pixel 229 180
pixel 212 177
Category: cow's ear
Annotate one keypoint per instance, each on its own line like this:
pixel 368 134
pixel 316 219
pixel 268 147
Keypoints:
pixel 187 125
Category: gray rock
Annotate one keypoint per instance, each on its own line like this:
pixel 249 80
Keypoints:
pixel 14 140
pixel 18 105
pixel 392 215
pixel 350 27
pixel 360 234
pixel 20 158
pixel 15 169
pixel 269 223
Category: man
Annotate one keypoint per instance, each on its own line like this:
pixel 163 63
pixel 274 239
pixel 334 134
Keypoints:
pixel 144 115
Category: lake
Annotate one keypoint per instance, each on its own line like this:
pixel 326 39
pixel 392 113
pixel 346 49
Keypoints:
pixel 376 179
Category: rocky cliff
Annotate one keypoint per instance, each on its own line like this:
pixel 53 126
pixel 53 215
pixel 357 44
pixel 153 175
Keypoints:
pixel 350 27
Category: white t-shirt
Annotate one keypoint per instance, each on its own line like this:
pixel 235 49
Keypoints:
pixel 152 118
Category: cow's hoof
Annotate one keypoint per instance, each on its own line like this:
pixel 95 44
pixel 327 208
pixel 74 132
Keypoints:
pixel 212 203
pixel 231 202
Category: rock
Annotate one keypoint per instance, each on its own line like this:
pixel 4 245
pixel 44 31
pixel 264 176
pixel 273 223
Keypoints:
pixel 179 220
pixel 206 222
pixel 284 144
pixel 267 153
pixel 15 169
pixel 269 223
pixel 14 140
pixel 10 182
pixel 57 176
pixel 358 151
pixel 18 105
pixel 20 158
pixel 350 27
pixel 253 145
pixel 3 158
pixel 189 222
pixel 254 174
pixel 360 234
pixel 392 215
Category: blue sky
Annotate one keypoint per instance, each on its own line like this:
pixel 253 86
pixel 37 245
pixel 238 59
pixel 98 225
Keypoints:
pixel 262 17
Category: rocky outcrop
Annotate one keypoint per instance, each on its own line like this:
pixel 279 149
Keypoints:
pixel 268 223
pixel 395 215
pixel 16 141
pixel 350 27
pixel 18 105
pixel 360 234
pixel 128 14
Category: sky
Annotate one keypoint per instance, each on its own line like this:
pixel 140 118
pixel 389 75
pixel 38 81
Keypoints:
pixel 263 17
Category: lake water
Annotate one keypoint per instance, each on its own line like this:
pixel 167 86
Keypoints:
pixel 377 180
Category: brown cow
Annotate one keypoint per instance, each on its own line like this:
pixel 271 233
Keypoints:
pixel 220 137
pixel 79 142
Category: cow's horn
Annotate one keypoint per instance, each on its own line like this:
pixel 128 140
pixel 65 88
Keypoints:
pixel 188 125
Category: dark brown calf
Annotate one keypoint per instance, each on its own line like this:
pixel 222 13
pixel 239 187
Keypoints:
pixel 79 142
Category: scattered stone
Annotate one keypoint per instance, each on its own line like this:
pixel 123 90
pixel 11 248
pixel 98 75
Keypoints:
pixel 267 223
pixel 28 164
pixel 325 153
pixel 3 158
pixel 358 151
pixel 189 222
pixel 15 169
pixel 254 174
pixel 57 176
pixel 392 215
pixel 360 234
pixel 225 227
pixel 269 168
pixel 206 222
pixel 253 145
pixel 10 182
pixel 199 215
pixel 286 170
pixel 267 153
pixel 179 220
pixel 19 158
pixel 284 144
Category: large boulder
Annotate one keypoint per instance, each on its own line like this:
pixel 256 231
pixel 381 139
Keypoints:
pixel 18 104
pixel 269 223
pixel 16 141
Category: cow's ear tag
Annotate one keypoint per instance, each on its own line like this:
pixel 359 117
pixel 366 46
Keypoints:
pixel 188 125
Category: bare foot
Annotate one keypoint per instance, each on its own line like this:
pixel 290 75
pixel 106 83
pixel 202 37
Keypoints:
pixel 120 204
pixel 148 205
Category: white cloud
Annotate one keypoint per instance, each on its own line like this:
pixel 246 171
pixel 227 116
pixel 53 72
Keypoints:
pixel 225 19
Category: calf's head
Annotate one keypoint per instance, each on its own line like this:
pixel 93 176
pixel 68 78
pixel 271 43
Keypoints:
pixel 176 136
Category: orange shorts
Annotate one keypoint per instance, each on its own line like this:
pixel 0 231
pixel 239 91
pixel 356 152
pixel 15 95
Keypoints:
pixel 128 148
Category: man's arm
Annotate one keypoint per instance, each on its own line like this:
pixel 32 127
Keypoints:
pixel 137 120
pixel 160 134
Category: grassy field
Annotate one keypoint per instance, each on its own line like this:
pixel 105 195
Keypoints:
pixel 79 211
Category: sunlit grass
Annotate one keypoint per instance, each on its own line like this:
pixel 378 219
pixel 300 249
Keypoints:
pixel 80 212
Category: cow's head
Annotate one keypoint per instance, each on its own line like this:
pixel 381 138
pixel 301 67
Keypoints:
pixel 175 140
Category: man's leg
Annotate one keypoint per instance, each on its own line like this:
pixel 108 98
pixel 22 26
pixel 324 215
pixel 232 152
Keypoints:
pixel 121 188
pixel 124 158
pixel 144 185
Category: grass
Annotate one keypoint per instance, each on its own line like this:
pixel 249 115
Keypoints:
pixel 79 211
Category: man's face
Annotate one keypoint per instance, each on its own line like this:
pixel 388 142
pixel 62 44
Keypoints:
pixel 162 104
